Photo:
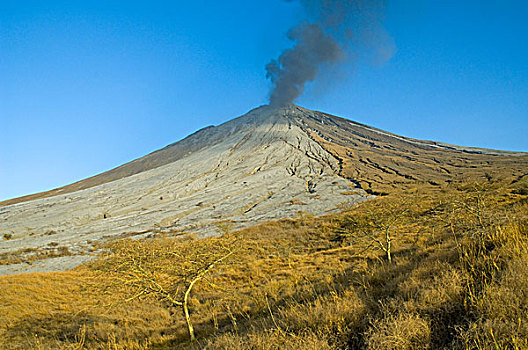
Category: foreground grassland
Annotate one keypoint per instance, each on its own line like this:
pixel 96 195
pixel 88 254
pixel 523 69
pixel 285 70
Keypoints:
pixel 422 268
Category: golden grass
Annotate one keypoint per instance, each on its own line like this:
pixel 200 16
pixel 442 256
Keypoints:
pixel 458 279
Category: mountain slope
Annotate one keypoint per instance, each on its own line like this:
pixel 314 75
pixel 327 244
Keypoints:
pixel 366 154
pixel 267 164
pixel 381 162
pixel 255 168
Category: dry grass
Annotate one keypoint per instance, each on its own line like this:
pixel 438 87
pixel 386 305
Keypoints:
pixel 458 279
pixel 30 255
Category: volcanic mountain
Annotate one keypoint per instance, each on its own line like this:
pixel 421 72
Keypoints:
pixel 268 164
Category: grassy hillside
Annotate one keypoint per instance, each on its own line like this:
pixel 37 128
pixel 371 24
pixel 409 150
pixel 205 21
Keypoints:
pixel 457 278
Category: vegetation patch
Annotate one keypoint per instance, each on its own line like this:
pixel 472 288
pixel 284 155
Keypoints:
pixel 427 268
pixel 30 255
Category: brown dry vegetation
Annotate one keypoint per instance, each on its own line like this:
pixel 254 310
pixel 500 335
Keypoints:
pixel 458 279
pixel 30 255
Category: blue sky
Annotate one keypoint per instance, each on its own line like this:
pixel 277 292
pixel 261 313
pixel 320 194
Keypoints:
pixel 86 86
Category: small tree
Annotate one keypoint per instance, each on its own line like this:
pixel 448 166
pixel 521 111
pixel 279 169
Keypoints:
pixel 374 225
pixel 471 210
pixel 167 269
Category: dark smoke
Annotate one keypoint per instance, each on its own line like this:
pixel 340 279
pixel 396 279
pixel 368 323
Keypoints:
pixel 298 65
pixel 335 28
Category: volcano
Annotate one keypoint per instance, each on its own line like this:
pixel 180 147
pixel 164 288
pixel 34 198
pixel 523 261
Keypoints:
pixel 271 163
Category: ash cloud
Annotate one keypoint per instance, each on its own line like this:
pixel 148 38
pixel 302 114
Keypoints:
pixel 334 32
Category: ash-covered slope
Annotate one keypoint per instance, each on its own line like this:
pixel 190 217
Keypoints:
pixel 267 164
pixel 254 168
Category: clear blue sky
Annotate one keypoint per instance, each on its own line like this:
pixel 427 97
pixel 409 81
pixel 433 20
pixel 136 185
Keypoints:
pixel 88 85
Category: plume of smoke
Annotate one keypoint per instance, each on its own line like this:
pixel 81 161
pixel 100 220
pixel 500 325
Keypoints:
pixel 324 40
